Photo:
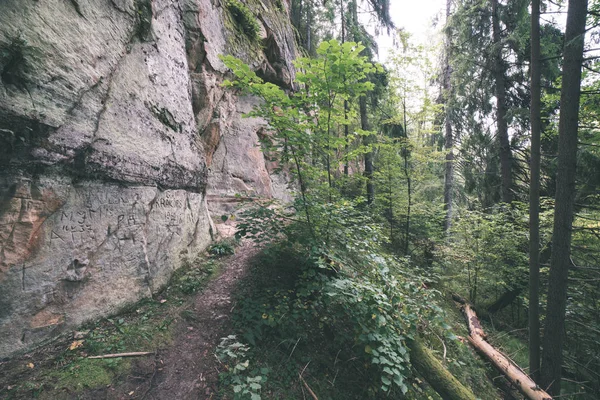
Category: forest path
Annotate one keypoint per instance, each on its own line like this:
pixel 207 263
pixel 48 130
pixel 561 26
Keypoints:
pixel 188 368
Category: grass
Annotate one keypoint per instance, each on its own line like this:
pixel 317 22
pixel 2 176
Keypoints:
pixel 89 374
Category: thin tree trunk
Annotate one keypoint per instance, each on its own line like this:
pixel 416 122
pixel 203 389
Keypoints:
pixel 554 330
pixel 343 19
pixel 391 208
pixel 448 134
pixel 367 141
pixel 308 27
pixel 500 89
pixel 346 107
pixel 346 133
pixel 534 196
pixel 408 181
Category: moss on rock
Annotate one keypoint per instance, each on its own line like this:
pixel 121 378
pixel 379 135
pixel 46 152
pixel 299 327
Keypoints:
pixel 244 18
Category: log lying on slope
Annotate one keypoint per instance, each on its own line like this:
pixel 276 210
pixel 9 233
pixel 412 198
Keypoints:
pixel 512 371
pixel 440 379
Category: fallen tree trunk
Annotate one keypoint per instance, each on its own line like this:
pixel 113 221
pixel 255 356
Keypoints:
pixel 512 371
pixel 442 381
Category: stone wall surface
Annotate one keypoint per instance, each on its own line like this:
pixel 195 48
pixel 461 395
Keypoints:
pixel 114 131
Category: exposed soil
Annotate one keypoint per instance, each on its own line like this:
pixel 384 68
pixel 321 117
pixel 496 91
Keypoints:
pixel 189 369
pixel 186 369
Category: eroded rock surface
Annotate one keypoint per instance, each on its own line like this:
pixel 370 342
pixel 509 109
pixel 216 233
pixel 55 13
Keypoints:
pixel 114 131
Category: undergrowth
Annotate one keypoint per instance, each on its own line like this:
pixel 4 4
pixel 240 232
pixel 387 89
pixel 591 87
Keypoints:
pixel 296 334
pixel 333 318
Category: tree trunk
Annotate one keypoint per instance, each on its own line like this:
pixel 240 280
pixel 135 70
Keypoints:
pixel 448 137
pixel 500 89
pixel 405 155
pixel 346 133
pixel 503 301
pixel 367 141
pixel 309 28
pixel 554 330
pixel 534 196
pixel 442 381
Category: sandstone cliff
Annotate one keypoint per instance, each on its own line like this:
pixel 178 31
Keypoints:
pixel 114 131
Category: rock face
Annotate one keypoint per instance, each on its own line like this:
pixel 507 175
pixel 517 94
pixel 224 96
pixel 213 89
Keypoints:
pixel 114 131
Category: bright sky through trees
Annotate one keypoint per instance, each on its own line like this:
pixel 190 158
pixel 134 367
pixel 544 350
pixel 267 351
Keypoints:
pixel 415 17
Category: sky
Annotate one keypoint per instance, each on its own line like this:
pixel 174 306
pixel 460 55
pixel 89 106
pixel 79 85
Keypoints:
pixel 415 17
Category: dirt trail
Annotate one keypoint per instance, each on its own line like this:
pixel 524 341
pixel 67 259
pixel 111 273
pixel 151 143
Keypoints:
pixel 188 368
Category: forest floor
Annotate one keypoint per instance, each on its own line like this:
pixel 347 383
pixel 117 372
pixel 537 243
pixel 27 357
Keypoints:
pixel 183 365
pixel 188 368
pixel 182 327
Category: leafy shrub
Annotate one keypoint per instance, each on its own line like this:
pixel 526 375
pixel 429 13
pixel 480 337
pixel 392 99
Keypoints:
pixel 244 382
pixel 221 249
pixel 351 288
pixel 489 250
pixel 193 275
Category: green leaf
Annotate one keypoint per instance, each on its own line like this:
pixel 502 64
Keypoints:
pixel 403 388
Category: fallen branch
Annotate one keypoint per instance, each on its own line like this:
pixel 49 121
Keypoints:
pixel 512 371
pixel 116 355
pixel 314 396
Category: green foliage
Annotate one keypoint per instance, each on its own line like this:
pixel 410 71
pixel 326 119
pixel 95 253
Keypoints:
pixel 244 18
pixel 306 126
pixel 489 250
pixel 356 307
pixel 193 279
pixel 244 382
pixel 223 248
pixel 346 282
pixel 261 224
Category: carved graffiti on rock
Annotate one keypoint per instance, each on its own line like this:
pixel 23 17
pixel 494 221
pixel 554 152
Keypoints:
pixel 21 220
